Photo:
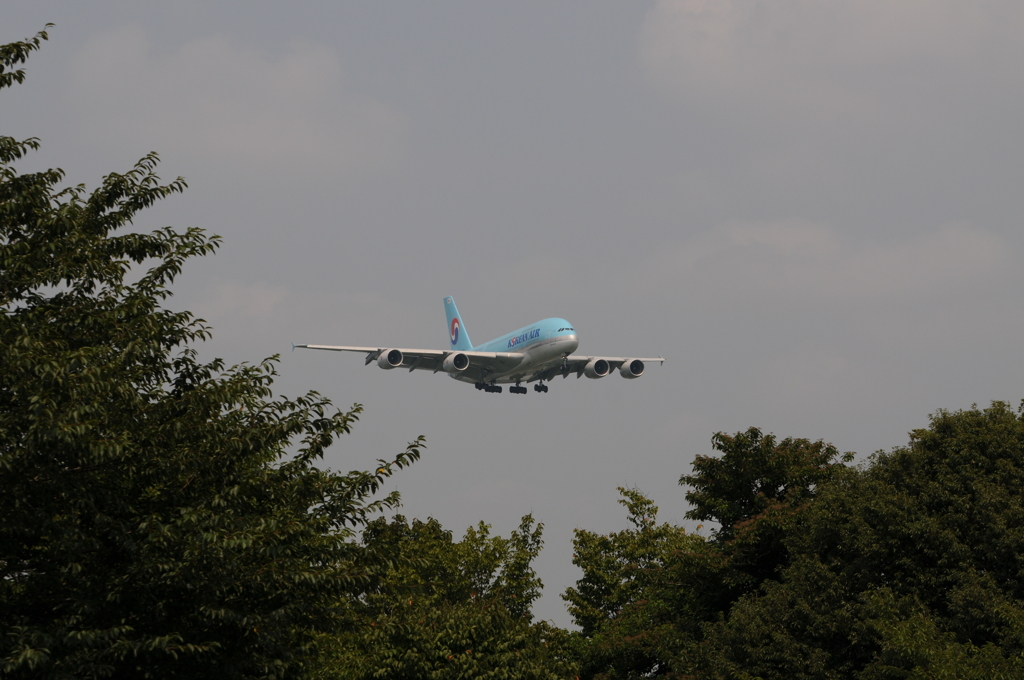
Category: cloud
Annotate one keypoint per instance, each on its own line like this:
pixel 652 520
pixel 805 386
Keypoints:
pixel 809 261
pixel 895 117
pixel 844 58
pixel 235 107
pixel 234 303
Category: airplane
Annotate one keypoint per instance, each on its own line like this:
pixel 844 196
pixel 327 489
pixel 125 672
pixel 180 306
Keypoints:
pixel 534 353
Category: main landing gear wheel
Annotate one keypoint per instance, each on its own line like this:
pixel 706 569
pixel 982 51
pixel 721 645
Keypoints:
pixel 488 388
pixel 516 389
pixel 540 387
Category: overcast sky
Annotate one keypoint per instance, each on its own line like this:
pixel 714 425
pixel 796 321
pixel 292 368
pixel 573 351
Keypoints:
pixel 811 209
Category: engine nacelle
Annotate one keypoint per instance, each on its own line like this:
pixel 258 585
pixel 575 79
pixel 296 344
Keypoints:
pixel 390 358
pixel 453 363
pixel 631 368
pixel 597 368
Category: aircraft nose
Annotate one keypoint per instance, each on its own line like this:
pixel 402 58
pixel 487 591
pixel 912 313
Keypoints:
pixel 571 343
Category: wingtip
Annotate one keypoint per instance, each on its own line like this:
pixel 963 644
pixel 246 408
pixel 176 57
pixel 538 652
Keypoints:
pixel 293 346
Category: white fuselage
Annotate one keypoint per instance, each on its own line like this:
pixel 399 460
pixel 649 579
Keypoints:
pixel 537 347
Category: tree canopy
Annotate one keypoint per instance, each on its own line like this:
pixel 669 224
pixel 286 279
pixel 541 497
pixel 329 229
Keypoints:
pixel 909 566
pixel 160 516
pixel 451 609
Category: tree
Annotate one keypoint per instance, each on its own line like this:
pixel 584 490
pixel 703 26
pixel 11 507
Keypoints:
pixel 755 472
pixel 635 617
pixel 909 568
pixel 754 491
pixel 152 521
pixel 450 609
pixel 648 595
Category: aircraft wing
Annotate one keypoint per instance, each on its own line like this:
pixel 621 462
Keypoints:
pixel 481 364
pixel 575 363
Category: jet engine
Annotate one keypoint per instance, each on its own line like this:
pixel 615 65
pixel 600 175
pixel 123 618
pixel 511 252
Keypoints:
pixel 631 368
pixel 390 358
pixel 596 368
pixel 453 363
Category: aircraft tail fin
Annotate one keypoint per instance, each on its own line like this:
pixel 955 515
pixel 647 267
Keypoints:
pixel 456 329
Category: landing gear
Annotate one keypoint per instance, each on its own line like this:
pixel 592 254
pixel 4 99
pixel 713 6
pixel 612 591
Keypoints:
pixel 513 389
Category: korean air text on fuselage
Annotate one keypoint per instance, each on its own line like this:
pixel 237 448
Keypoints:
pixel 521 339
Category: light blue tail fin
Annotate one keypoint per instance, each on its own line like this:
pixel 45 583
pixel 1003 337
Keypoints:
pixel 456 329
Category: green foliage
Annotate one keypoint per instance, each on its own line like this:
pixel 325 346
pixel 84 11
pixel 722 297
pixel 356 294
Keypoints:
pixel 429 565
pixel 448 609
pixel 755 491
pixel 754 474
pixel 468 640
pixel 152 521
pixel 910 568
pixel 16 53
pixel 626 603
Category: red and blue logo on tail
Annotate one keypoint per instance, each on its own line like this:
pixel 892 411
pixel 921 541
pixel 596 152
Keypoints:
pixel 456 329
